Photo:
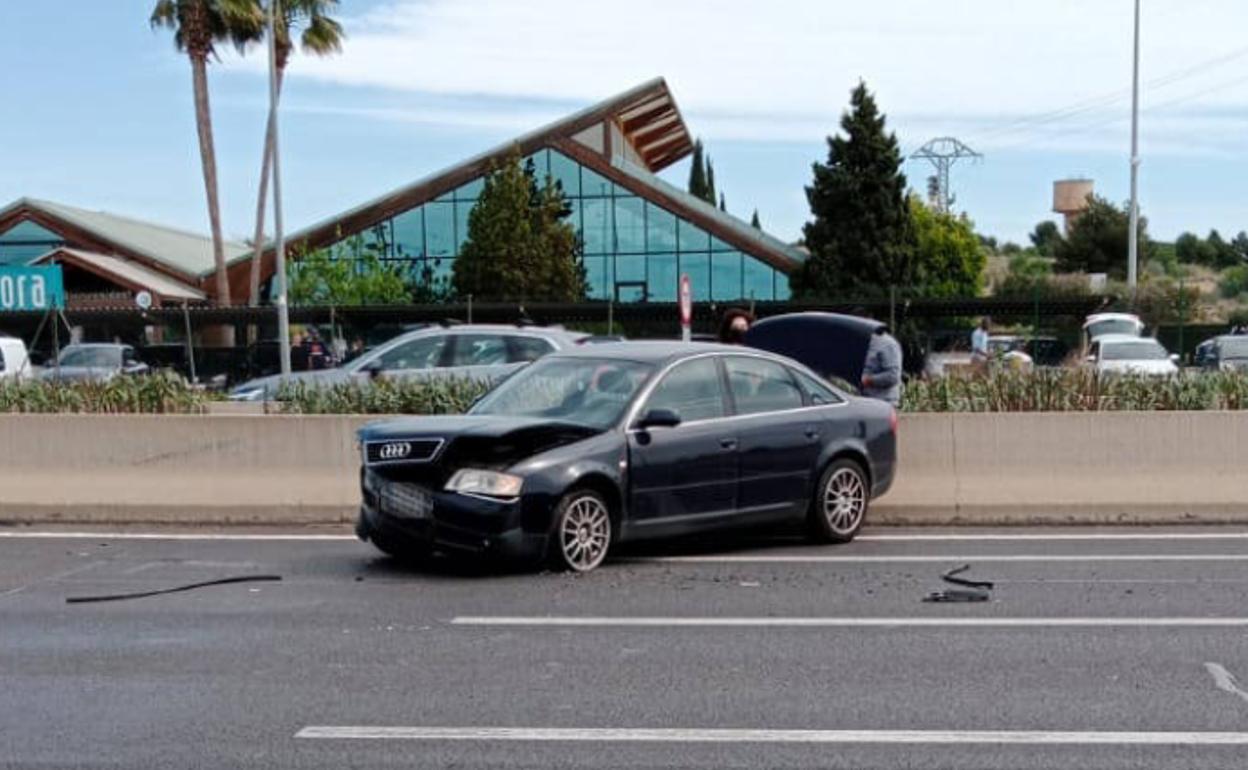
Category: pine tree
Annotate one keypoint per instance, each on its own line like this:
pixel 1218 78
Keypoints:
pixel 520 246
pixel 862 238
pixel 697 172
pixel 754 221
pixel 710 196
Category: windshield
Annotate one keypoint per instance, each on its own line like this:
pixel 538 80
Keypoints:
pixel 96 358
pixel 586 391
pixel 1144 350
pixel 1101 328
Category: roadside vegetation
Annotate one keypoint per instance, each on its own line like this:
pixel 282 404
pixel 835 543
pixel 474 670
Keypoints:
pixel 1076 390
pixel 383 397
pixel 154 394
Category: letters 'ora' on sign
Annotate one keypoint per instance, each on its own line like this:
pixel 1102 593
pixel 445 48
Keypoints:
pixel 31 288
pixel 686 307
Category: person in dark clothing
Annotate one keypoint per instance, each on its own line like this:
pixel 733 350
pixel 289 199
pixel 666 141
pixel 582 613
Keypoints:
pixel 733 326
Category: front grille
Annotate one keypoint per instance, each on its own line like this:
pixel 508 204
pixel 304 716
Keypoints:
pixel 420 450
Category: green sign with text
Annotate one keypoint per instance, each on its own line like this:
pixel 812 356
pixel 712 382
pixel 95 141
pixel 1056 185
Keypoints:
pixel 31 288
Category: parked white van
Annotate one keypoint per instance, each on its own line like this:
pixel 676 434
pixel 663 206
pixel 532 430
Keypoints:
pixel 14 361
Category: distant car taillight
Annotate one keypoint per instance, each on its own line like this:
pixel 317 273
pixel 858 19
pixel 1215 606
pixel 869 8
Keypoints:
pixel 892 421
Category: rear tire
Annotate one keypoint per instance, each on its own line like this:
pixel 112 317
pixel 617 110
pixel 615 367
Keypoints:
pixel 840 503
pixel 581 532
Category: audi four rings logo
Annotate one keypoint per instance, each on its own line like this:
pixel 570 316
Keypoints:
pixel 395 451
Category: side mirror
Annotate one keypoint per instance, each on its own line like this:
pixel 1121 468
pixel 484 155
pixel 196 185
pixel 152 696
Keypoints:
pixel 659 418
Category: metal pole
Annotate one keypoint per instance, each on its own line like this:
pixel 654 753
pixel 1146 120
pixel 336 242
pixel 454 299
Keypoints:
pixel 610 316
pixel 1134 235
pixel 892 309
pixel 190 343
pixel 283 310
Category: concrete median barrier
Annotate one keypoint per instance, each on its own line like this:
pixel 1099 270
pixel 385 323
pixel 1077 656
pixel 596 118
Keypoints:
pixel 955 469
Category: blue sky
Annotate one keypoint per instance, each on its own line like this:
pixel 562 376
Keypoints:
pixel 98 113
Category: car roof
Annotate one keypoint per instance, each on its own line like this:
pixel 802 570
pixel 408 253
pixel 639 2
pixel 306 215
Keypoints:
pixel 654 351
pixel 1099 317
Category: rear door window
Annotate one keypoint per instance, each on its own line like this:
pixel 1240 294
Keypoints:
pixel 817 393
pixel 479 350
pixel 759 385
pixel 527 349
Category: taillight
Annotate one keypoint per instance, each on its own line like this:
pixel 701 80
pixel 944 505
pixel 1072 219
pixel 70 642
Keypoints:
pixel 892 421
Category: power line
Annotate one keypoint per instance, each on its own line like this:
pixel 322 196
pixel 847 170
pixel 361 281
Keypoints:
pixel 1102 101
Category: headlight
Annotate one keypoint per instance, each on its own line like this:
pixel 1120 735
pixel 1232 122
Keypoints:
pixel 477 482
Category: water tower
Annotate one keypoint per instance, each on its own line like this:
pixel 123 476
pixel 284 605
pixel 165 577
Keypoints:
pixel 1070 199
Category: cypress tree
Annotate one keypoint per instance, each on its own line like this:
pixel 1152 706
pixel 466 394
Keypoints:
pixel 754 221
pixel 519 244
pixel 862 238
pixel 710 195
pixel 697 172
pixel 723 206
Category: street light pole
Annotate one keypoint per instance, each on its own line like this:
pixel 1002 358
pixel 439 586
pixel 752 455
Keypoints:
pixel 1133 237
pixel 279 246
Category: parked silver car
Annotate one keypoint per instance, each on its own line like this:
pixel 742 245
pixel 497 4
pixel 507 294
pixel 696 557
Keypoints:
pixel 93 362
pixel 483 352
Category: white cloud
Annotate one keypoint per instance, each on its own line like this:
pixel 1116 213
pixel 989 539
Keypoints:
pixel 781 70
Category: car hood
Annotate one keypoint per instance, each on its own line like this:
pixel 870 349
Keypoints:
pixel 273 383
pixel 1138 367
pixel 77 373
pixel 483 441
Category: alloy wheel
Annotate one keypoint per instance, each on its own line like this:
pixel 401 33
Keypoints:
pixel 585 533
pixel 844 501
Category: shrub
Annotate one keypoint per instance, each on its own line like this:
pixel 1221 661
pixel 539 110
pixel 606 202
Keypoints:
pixel 385 396
pixel 160 393
pixel 1075 390
pixel 1234 282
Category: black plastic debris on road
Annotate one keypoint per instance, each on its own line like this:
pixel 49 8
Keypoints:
pixel 174 590
pixel 971 590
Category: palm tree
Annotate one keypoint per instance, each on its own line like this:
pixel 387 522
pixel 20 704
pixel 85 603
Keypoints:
pixel 198 26
pixel 321 36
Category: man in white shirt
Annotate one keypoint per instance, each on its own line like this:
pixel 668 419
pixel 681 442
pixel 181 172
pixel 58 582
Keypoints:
pixel 979 344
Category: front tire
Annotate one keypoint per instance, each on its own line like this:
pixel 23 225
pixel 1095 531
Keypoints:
pixel 840 504
pixel 582 533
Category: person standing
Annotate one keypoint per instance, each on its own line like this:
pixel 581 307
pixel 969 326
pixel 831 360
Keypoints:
pixel 979 344
pixel 735 323
pixel 881 373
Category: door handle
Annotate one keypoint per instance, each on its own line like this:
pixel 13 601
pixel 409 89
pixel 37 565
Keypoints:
pixel 812 434
pixel 728 443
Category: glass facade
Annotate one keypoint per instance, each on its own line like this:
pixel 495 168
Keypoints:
pixel 634 250
pixel 26 241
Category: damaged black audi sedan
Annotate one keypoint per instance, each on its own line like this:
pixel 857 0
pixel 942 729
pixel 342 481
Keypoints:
pixel 588 448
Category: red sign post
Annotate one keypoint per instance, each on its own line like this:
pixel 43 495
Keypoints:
pixel 686 308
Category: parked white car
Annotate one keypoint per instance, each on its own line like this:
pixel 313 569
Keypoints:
pixel 1105 324
pixel 1128 354
pixel 14 360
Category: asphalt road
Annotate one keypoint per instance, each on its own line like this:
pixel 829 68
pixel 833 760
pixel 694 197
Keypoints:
pixel 1099 649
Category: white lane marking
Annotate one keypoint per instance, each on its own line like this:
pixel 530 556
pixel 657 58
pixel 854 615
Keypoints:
pixel 163 536
pixel 937 559
pixel 1225 680
pixel 714 735
pixel 846 622
pixel 1054 536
